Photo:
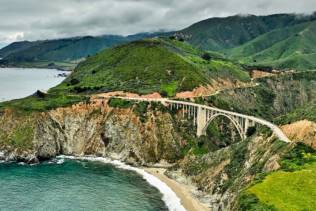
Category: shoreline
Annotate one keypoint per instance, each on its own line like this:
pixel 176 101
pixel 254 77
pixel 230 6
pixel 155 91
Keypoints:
pixel 183 192
pixel 175 195
pixel 170 198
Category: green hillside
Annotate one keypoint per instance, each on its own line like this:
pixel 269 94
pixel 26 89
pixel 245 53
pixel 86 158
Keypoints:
pixel 291 188
pixel 60 53
pixel 15 47
pixel 290 47
pixel 153 65
pixel 223 33
pixel 164 65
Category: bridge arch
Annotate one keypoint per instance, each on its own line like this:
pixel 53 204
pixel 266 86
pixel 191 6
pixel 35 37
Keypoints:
pixel 201 116
pixel 232 119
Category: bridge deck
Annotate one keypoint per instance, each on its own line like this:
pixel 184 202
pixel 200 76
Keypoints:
pixel 276 130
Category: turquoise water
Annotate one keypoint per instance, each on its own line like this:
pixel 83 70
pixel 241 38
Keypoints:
pixel 75 185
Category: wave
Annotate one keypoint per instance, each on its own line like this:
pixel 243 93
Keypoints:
pixel 58 161
pixel 169 197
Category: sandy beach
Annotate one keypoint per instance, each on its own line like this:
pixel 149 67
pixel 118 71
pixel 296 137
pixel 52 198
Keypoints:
pixel 181 190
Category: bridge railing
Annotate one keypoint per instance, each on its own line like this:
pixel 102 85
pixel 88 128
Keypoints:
pixel 276 130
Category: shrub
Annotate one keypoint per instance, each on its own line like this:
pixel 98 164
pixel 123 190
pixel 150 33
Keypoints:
pixel 141 110
pixel 300 155
pixel 163 93
pixel 206 56
pixel 120 103
pixel 249 201
pixel 74 81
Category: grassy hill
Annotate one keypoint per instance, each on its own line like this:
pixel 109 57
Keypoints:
pixel 15 47
pixel 223 33
pixel 291 188
pixel 153 65
pixel 62 53
pixel 281 41
pixel 290 47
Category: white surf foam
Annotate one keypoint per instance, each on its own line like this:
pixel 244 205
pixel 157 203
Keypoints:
pixel 169 197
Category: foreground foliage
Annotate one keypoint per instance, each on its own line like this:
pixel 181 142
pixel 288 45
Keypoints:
pixel 291 188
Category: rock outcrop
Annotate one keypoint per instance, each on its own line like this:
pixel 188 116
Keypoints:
pixel 156 136
pixel 94 129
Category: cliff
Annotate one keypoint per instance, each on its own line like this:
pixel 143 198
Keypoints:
pixel 91 129
pixel 218 165
pixel 156 137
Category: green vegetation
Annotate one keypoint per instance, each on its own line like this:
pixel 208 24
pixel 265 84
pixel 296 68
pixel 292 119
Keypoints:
pixel 285 48
pixel 223 33
pixel 237 160
pixel 141 110
pixel 120 103
pixel 196 147
pixel 153 65
pixel 255 101
pixel 299 156
pixel 60 53
pixel 21 137
pixel 307 112
pixel 291 188
pixel 37 104
pixel 142 67
pixel 283 99
pixel 249 201
pixel 282 41
pixel 169 90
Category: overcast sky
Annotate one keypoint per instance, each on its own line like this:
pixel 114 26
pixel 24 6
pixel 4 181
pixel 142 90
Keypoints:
pixel 47 19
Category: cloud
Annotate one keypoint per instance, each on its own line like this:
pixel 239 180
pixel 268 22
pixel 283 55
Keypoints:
pixel 38 19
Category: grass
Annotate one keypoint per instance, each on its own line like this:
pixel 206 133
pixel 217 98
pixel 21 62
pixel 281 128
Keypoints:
pixel 35 104
pixel 286 48
pixel 169 89
pixel 289 190
pixel 249 201
pixel 152 65
pixel 143 67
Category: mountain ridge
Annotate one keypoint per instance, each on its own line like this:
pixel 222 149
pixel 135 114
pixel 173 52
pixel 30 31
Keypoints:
pixel 290 47
pixel 64 53
pixel 222 33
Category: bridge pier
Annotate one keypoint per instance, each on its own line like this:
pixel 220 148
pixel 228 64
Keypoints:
pixel 203 115
pixel 201 120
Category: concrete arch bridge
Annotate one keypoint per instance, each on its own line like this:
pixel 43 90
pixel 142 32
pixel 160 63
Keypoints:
pixel 203 115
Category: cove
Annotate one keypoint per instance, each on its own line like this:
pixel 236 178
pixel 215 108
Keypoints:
pixel 75 185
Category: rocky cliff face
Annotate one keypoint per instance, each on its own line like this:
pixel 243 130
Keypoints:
pixel 91 129
pixel 271 97
pixel 221 175
pixel 158 137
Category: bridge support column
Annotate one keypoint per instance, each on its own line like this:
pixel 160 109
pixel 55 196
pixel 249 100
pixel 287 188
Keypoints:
pixel 200 120
pixel 246 126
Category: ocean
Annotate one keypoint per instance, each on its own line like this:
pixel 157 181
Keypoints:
pixel 21 82
pixel 75 185
pixel 90 184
